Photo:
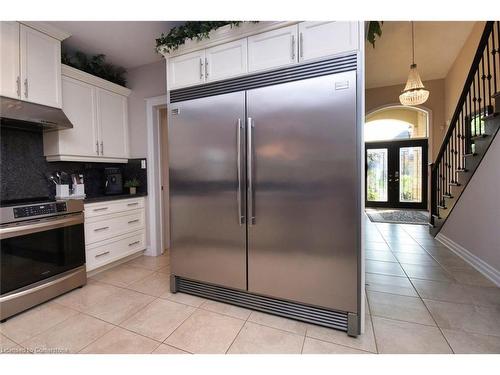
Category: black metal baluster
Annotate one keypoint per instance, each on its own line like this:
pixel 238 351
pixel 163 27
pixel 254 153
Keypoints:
pixel 494 53
pixel 488 77
pixel 483 82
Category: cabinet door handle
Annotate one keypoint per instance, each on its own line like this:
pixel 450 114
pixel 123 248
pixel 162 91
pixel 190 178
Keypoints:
pixel 134 243
pixel 206 67
pixel 201 68
pixel 100 209
pixel 293 47
pixel 133 221
pixel 133 204
pixel 26 87
pixel 101 254
pixel 100 229
pixel 18 85
pixel 97 147
pixel 102 148
pixel 301 45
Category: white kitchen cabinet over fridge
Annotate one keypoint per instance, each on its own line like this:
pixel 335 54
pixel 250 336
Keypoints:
pixel 226 60
pixel 186 70
pixel 272 49
pixel 320 39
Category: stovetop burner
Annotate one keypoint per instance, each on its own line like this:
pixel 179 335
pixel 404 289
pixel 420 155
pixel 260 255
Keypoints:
pixel 18 202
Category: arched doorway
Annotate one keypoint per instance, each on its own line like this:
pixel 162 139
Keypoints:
pixel 396 157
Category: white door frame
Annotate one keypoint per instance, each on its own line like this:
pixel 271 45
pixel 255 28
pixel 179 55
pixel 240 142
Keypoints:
pixel 155 196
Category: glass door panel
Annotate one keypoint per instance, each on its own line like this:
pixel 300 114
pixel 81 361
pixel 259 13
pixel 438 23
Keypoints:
pixel 396 174
pixel 377 175
pixel 410 174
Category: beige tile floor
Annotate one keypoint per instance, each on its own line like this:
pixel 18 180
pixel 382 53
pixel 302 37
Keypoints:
pixel 421 299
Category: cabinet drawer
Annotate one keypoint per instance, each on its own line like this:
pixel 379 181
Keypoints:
pixel 104 208
pixel 109 251
pixel 108 226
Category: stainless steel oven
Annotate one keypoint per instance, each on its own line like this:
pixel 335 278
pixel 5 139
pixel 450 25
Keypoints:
pixel 42 253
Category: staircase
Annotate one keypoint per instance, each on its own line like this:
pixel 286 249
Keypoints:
pixel 473 127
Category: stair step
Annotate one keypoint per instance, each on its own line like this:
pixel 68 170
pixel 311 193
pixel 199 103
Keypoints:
pixel 470 154
pixel 453 184
pixel 463 170
pixel 436 216
pixel 442 207
pixel 479 136
pixel 446 195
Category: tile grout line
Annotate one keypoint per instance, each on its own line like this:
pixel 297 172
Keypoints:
pixel 430 314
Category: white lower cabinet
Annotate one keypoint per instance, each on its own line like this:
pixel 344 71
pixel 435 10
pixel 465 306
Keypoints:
pixel 113 230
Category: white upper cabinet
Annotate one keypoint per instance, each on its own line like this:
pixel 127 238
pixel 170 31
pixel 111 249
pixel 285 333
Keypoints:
pixel 113 124
pixel 226 60
pixel 186 70
pixel 40 68
pixel 98 110
pixel 79 107
pixel 321 39
pixel 9 65
pixel 30 66
pixel 257 48
pixel 272 49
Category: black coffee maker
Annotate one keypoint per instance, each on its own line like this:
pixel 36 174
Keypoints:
pixel 113 181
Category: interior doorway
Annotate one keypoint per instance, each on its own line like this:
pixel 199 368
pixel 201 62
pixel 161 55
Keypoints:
pixel 396 152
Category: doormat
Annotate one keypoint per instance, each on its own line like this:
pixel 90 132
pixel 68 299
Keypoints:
pixel 390 215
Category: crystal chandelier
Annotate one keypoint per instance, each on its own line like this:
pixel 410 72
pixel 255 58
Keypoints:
pixel 414 92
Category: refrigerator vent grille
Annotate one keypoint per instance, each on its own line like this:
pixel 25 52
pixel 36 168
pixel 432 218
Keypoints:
pixel 283 75
pixel 309 314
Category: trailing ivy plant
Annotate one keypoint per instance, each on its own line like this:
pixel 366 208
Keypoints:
pixel 198 30
pixel 96 65
pixel 374 31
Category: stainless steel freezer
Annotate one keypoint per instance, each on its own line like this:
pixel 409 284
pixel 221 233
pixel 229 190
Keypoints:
pixel 264 195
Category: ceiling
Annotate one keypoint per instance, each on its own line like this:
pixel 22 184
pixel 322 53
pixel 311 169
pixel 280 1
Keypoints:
pixel 437 44
pixel 125 43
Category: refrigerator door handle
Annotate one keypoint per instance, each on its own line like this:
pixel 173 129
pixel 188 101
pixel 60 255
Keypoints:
pixel 250 203
pixel 241 217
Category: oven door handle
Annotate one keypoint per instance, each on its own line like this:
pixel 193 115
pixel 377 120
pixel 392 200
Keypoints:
pixel 41 226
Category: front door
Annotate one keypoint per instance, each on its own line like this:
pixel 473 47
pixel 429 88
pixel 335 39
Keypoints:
pixel 396 174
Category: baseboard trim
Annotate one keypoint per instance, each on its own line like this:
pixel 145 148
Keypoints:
pixel 480 265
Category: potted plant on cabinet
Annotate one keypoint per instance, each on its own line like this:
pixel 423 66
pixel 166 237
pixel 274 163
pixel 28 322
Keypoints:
pixel 132 185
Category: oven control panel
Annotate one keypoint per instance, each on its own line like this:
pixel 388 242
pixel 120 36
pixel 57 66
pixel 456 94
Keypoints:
pixel 39 209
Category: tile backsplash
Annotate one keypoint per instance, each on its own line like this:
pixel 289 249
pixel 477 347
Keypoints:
pixel 23 168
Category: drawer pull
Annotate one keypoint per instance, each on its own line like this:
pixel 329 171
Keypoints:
pixel 133 221
pixel 101 254
pixel 99 229
pixel 133 204
pixel 134 243
pixel 100 209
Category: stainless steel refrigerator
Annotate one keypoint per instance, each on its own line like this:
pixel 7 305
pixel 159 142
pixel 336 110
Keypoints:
pixel 264 196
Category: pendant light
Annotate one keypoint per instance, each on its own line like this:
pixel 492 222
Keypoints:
pixel 414 92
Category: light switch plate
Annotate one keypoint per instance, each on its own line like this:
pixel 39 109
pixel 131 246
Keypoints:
pixel 143 163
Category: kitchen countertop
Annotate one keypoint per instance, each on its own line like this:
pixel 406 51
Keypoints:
pixel 105 198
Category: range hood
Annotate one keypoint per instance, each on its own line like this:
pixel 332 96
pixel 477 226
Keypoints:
pixel 25 114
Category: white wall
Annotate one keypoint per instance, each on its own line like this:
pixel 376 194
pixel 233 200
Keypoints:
pixel 145 81
pixel 475 220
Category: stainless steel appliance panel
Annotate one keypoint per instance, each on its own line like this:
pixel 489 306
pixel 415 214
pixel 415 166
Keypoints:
pixel 302 168
pixel 207 180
